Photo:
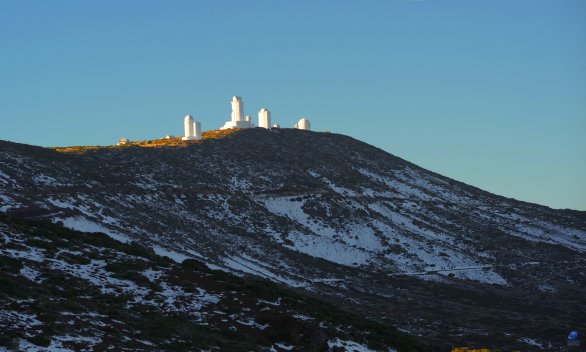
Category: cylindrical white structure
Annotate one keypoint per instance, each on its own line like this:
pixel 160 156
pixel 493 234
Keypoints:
pixel 264 118
pixel 248 118
pixel 237 109
pixel 188 124
pixel 196 130
pixel 303 124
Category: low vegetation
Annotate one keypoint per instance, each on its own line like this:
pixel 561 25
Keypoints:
pixel 155 143
pixel 247 314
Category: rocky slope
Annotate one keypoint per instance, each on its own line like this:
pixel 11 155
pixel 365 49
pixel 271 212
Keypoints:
pixel 64 290
pixel 366 230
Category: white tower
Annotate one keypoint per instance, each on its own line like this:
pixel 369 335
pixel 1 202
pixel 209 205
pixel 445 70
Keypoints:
pixel 264 118
pixel 303 124
pixel 189 130
pixel 237 120
pixel 237 109
pixel 248 119
pixel 196 130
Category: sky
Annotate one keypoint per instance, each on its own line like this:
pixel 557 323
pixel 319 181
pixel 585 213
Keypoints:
pixel 491 93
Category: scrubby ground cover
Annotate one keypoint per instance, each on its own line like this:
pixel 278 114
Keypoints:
pixel 65 289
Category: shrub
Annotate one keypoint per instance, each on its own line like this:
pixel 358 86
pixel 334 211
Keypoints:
pixel 40 340
pixel 10 265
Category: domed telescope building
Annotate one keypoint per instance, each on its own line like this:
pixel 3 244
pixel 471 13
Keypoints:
pixel 303 124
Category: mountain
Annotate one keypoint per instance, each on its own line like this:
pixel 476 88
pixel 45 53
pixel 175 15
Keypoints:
pixel 360 228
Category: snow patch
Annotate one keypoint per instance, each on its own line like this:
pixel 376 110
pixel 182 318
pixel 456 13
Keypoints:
pixel 353 346
pixel 30 274
pixel 85 225
pixel 256 268
pixel 6 203
pixel 175 256
pixel 531 342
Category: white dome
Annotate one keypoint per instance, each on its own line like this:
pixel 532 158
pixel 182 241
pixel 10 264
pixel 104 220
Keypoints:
pixel 247 118
pixel 303 124
pixel 276 125
pixel 188 118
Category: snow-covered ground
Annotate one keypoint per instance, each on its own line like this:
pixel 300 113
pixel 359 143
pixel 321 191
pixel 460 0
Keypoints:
pixel 352 346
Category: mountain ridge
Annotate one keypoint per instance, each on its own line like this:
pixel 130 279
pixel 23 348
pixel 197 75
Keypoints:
pixel 366 229
pixel 176 142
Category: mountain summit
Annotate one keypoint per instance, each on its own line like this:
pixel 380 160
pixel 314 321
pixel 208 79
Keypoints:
pixel 329 215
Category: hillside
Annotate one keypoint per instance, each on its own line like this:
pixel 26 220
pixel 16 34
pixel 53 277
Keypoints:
pixel 361 228
pixel 62 289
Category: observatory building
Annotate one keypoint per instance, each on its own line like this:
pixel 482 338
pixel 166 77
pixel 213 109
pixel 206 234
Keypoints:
pixel 239 120
pixel 237 113
pixel 192 129
pixel 264 118
pixel 303 124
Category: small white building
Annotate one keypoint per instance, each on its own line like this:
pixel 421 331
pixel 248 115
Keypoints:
pixel 236 120
pixel 276 125
pixel 123 141
pixel 303 124
pixel 192 129
pixel 264 118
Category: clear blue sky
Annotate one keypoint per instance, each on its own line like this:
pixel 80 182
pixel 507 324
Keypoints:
pixel 491 93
